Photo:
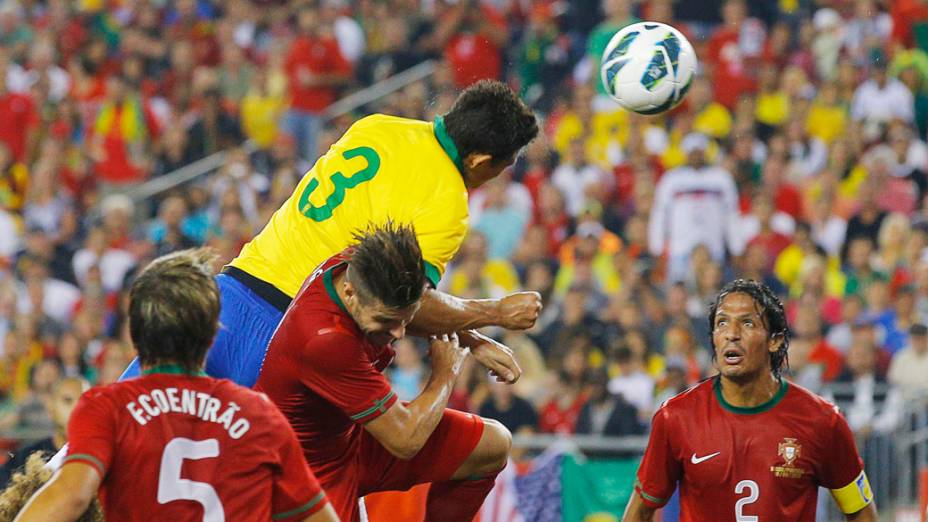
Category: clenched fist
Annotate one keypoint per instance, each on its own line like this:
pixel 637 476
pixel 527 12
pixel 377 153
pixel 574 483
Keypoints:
pixel 520 310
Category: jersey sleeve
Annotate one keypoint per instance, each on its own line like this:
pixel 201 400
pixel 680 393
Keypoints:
pixel 91 433
pixel 336 367
pixel 296 493
pixel 843 469
pixel 659 470
pixel 440 230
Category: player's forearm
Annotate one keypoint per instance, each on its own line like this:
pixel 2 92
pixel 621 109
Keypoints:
pixel 53 502
pixel 425 411
pixel 442 313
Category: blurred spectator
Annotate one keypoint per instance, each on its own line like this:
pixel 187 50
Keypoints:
pixel 560 413
pixel 214 129
pixel 513 411
pixel 407 371
pixel 618 15
pixel 882 98
pixel 122 132
pixel 607 414
pixel 733 50
pixel 315 69
pixel 471 35
pixel 910 365
pixel 61 403
pixel 166 232
pixel 695 204
pixel 501 220
pixel 875 407
pixel 113 263
pixel 32 415
pixel 632 382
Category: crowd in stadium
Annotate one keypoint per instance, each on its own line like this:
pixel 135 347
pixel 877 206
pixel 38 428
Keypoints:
pixel 803 137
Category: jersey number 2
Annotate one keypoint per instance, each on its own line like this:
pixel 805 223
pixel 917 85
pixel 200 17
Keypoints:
pixel 172 487
pixel 341 183
pixel 753 493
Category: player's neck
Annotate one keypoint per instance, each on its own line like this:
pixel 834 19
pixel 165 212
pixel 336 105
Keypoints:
pixel 750 393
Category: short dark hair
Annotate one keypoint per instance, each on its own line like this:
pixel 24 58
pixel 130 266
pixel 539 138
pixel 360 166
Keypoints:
pixel 489 118
pixel 772 312
pixel 387 264
pixel 174 309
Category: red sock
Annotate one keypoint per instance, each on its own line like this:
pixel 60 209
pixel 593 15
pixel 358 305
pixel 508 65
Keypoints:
pixel 457 500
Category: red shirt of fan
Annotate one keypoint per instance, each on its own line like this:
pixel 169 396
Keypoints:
pixel 169 446
pixel 762 463
pixel 471 55
pixel 313 56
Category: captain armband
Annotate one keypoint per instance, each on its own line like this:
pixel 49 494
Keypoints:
pixel 855 496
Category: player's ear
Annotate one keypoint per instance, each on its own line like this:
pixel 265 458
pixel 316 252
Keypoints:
pixel 477 160
pixel 775 342
pixel 348 288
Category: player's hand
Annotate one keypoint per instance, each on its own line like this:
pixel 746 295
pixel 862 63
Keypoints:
pixel 446 354
pixel 520 310
pixel 497 358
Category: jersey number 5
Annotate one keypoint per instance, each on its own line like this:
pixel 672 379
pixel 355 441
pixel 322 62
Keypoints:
pixel 171 487
pixel 341 182
pixel 753 493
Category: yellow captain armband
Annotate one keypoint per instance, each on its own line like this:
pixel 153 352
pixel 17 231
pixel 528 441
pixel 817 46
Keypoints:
pixel 855 496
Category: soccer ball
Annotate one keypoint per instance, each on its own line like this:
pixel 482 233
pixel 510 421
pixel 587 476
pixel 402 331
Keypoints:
pixel 648 67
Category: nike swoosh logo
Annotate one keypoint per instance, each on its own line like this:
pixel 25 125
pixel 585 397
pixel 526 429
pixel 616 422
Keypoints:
pixel 697 460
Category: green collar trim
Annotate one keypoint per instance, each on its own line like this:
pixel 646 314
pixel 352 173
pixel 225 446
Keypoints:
pixel 441 134
pixel 330 288
pixel 174 369
pixel 760 408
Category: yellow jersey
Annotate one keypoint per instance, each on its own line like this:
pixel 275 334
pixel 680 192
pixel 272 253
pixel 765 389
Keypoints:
pixel 383 167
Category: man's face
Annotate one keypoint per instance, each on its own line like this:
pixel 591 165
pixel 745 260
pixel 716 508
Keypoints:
pixel 742 342
pixel 919 343
pixel 381 323
pixel 63 402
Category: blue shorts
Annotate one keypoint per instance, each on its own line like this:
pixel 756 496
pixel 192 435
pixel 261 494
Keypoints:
pixel 246 324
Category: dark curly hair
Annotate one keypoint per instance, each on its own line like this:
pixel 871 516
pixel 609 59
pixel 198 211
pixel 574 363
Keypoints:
pixel 489 118
pixel 772 312
pixel 24 483
pixel 387 264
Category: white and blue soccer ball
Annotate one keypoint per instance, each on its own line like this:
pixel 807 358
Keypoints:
pixel 648 67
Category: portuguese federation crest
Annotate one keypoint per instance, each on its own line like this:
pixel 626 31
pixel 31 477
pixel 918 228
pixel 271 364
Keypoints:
pixel 788 450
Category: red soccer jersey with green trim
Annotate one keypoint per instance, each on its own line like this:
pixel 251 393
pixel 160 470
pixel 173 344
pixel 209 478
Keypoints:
pixel 181 447
pixel 742 464
pixel 324 374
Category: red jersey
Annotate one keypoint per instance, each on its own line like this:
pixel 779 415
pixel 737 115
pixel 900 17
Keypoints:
pixel 182 447
pixel 756 463
pixel 323 373
pixel 19 118
pixel 315 56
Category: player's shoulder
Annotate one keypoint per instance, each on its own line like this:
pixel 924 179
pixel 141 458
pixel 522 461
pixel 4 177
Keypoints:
pixel 687 399
pixel 245 397
pixel 387 122
pixel 804 400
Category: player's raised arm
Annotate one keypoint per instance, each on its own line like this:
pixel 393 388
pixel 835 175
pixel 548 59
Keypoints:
pixel 65 497
pixel 441 312
pixel 404 429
